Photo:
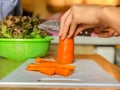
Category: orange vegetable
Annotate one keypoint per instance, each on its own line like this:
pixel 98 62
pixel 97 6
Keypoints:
pixel 54 63
pixel 66 51
pixel 41 68
pixel 39 60
pixel 47 70
pixel 34 67
pixel 51 67
pixel 63 71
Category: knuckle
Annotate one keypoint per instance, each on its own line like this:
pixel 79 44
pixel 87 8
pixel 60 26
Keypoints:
pixel 75 20
pixel 74 7
pixel 75 16
pixel 62 18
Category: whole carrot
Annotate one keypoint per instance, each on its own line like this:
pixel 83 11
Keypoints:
pixel 66 51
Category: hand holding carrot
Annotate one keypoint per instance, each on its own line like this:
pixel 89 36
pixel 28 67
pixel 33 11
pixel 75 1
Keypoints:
pixel 81 17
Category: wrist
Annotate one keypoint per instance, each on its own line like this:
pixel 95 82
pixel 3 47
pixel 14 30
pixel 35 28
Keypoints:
pixel 109 15
pixel 102 14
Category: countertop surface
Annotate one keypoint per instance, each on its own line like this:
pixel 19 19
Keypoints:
pixel 92 40
pixel 110 68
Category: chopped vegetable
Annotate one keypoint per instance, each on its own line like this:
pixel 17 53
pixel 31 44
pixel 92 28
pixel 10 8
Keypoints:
pixel 54 63
pixel 63 71
pixel 66 51
pixel 50 67
pixel 39 60
pixel 43 69
pixel 47 70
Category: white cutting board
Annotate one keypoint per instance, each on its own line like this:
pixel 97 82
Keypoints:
pixel 87 72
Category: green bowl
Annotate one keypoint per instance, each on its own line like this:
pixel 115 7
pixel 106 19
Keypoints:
pixel 23 49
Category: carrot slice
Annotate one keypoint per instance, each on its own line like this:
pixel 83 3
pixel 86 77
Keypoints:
pixel 47 70
pixel 63 72
pixel 50 67
pixel 54 63
pixel 41 68
pixel 39 60
pixel 66 51
pixel 34 67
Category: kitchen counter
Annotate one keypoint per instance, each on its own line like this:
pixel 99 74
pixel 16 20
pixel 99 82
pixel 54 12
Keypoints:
pixel 110 68
pixel 86 40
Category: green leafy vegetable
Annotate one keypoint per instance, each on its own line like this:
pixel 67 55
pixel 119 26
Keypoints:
pixel 21 27
pixel 4 31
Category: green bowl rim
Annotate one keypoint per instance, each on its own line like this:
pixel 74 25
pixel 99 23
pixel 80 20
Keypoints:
pixel 48 38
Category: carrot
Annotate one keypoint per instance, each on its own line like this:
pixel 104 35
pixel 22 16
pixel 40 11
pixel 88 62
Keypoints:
pixel 66 51
pixel 50 67
pixel 47 70
pixel 63 72
pixel 34 67
pixel 54 63
pixel 51 64
pixel 39 60
pixel 41 68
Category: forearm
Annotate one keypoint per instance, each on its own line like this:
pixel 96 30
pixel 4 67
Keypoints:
pixel 111 16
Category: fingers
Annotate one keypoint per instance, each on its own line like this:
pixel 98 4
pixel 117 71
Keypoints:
pixel 105 33
pixel 73 27
pixel 66 26
pixel 63 21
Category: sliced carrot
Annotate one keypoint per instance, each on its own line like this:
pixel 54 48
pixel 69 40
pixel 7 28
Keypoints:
pixel 49 64
pixel 51 67
pixel 34 67
pixel 47 70
pixel 54 63
pixel 40 68
pixel 39 60
pixel 63 72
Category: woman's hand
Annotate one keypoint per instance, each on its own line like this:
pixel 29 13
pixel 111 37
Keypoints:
pixel 80 17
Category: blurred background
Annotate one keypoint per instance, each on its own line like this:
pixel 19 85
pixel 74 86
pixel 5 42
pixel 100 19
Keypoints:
pixel 46 8
pixel 53 9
